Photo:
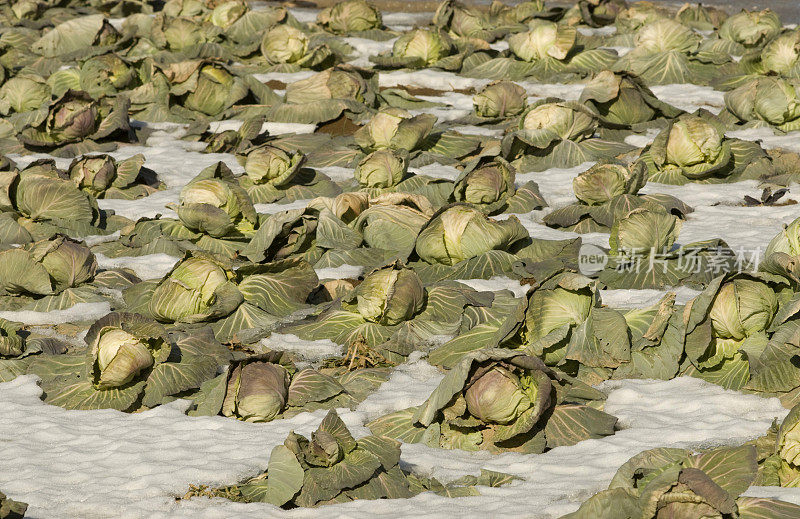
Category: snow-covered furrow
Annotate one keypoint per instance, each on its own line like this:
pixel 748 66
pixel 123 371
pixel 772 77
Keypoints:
pixel 103 464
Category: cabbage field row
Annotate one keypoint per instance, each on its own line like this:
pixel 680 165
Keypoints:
pixel 503 259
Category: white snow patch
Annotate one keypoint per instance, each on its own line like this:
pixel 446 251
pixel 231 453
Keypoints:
pixel 598 31
pixel 337 173
pixel 342 272
pixel 434 79
pixel 499 45
pixel 769 139
pixel 628 298
pixel 495 283
pixel 272 127
pixel 745 229
pixel 364 48
pixel 437 170
pixel 312 351
pixel 691 97
pixel 132 465
pixel 76 313
pixel 97 239
pixel 640 141
pixel 568 92
pixel 461 102
pixel 790 495
pixel 479 130
pixel 148 266
pixel 555 184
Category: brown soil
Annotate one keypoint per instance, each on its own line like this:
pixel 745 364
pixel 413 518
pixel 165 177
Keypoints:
pixel 339 126
pixel 276 85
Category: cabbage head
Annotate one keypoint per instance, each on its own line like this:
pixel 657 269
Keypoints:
pixel 461 232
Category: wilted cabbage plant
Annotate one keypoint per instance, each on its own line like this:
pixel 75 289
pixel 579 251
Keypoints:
pixel 227 13
pixel 267 387
pixel 22 93
pixel 350 16
pixel 643 252
pixel 388 296
pixel 667 51
pixel 287 45
pixel 648 230
pixel 638 15
pixel 239 304
pixel 489 184
pixel 39 202
pixel 751 28
pixel 603 182
pixel 787 450
pixel 132 363
pixel 19 345
pixel 103 177
pixel 393 221
pixel 766 101
pixel 461 21
pixel 499 100
pixel 594 13
pixel 395 128
pixel 701 17
pixel 545 40
pixel 782 256
pixel 551 133
pixel 723 323
pixel 499 400
pixel 606 192
pixel 461 232
pixel 268 164
pixel 55 274
pixel 381 169
pixel 684 483
pixel 693 147
pixel 274 173
pixel 76 36
pixel 351 470
pixel 75 123
pixel 106 75
pixel 333 83
pixel 623 99
pixel 781 56
pixel 424 45
pixel 420 48
pixel 199 288
pixel 213 203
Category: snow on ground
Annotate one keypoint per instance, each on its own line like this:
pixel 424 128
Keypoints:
pixel 437 171
pixel 690 97
pixel 149 266
pixel 312 351
pixel 365 48
pixel 76 313
pixel 497 283
pixel 626 298
pixel 434 79
pixel 745 228
pixel 272 127
pixel 341 272
pixel 109 464
pixel 768 138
